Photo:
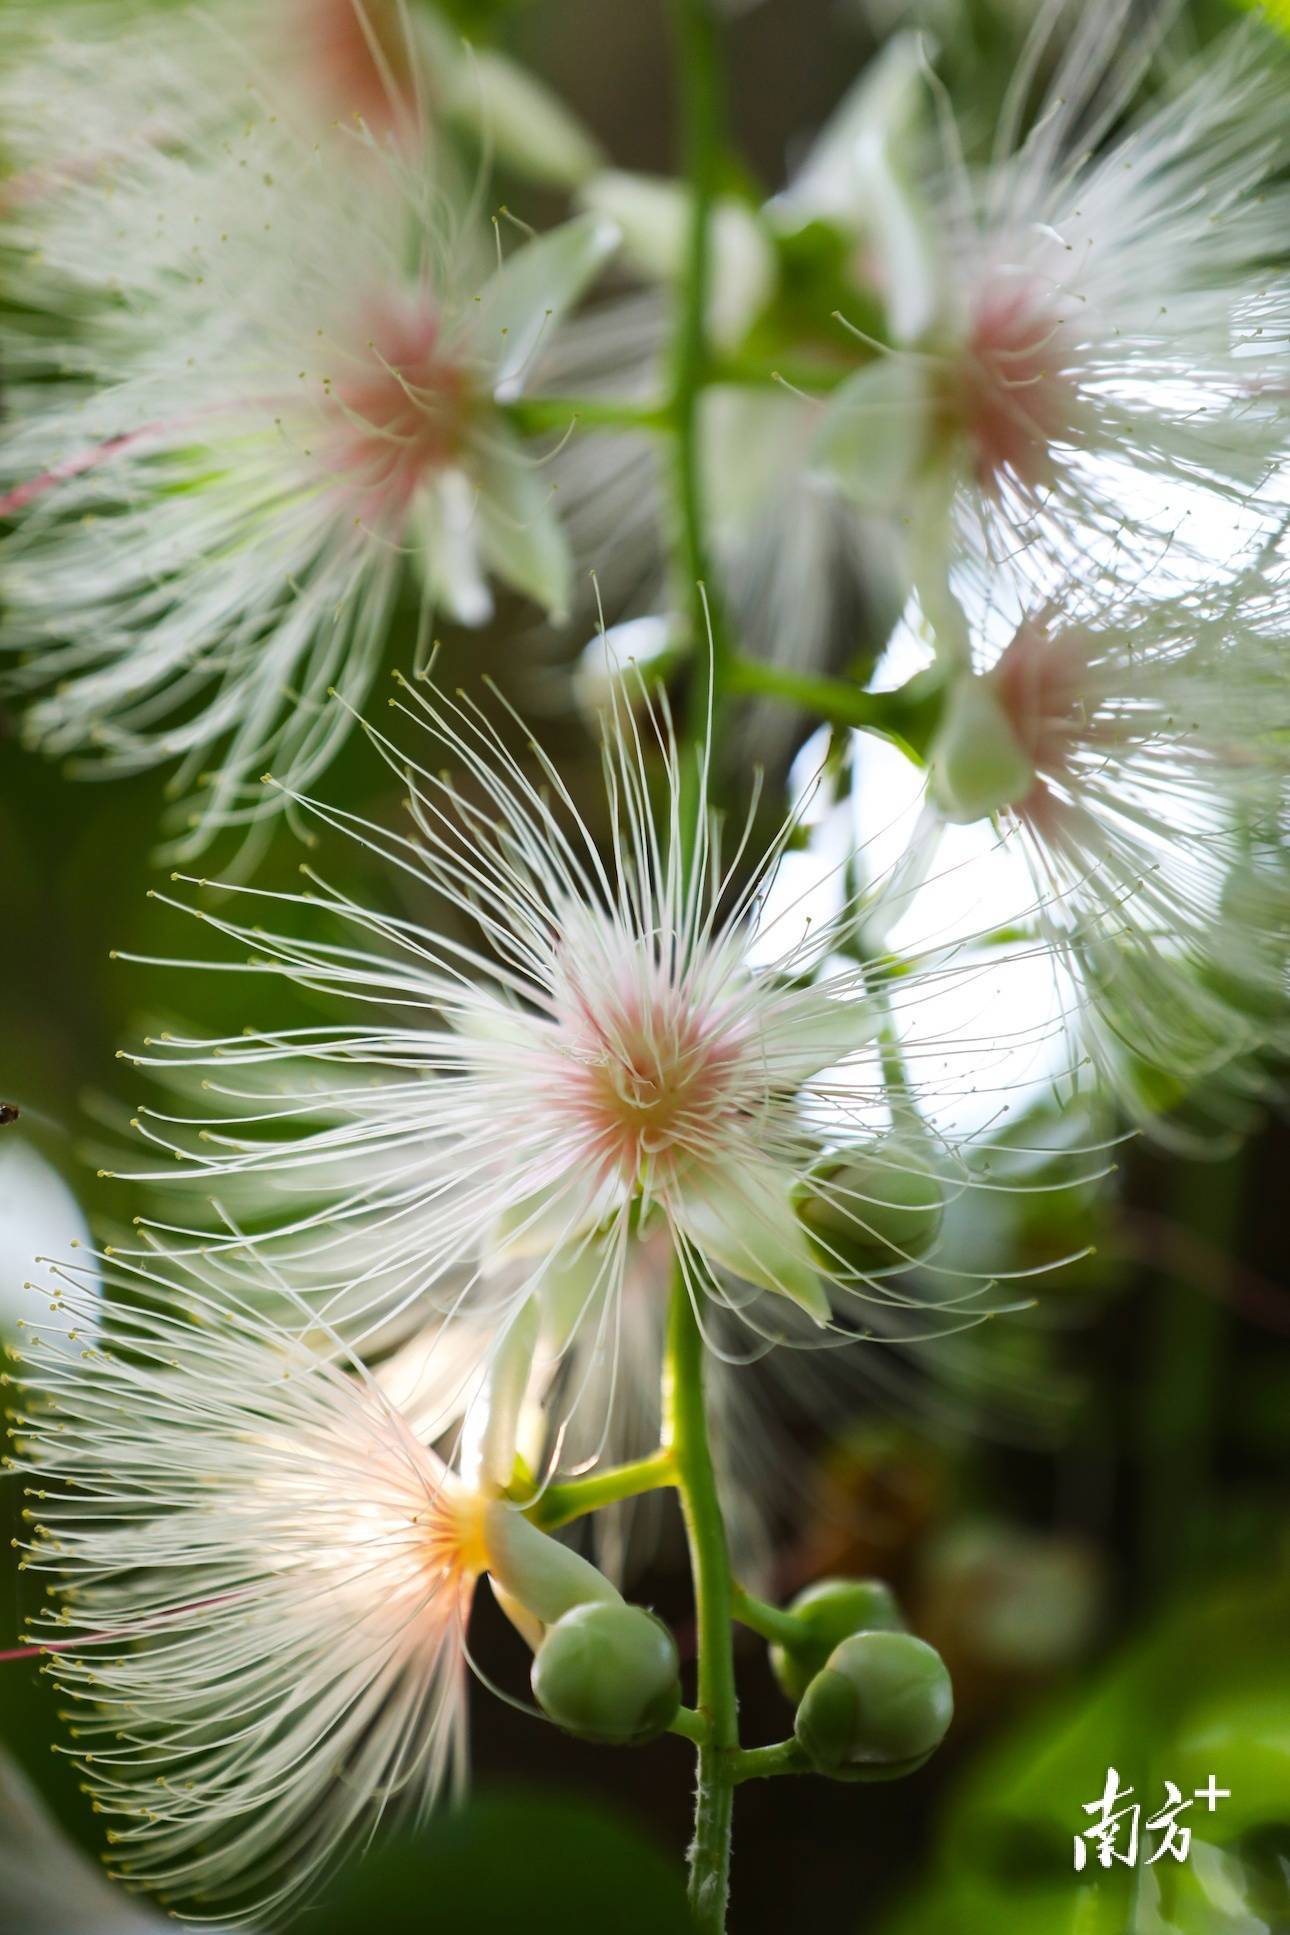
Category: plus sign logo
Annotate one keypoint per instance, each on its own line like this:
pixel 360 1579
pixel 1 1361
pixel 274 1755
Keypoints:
pixel 1117 1832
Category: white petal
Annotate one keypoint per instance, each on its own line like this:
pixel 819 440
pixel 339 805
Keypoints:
pixel 874 434
pixel 815 1031
pixel 528 127
pixel 745 1222
pixel 528 294
pixel 47 1886
pixel 653 216
pixel 520 534
pixel 444 531
pixel 540 1223
pixel 490 1431
pixel 754 447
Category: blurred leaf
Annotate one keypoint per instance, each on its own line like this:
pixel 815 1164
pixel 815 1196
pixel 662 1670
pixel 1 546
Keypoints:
pixel 1207 1692
pixel 521 1860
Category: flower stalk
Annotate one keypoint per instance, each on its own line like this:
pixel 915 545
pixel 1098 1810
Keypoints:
pixel 686 1436
pixel 702 115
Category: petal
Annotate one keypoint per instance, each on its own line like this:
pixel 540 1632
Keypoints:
pixel 444 533
pixel 814 1031
pixel 744 1221
pixel 653 216
pixel 874 434
pixel 530 292
pixel 528 127
pixel 41 1219
pixel 540 1223
pixel 754 446
pixel 521 537
pixel 574 1283
pixel 490 1431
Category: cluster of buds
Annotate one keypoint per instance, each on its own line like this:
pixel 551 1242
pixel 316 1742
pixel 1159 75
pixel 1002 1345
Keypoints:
pixel 873 1701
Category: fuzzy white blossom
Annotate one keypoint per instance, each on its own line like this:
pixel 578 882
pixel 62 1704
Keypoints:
pixel 589 1053
pixel 1134 753
pixel 291 406
pixel 260 1578
pixel 1067 358
pixel 1085 336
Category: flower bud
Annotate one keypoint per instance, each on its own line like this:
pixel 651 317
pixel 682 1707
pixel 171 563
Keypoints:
pixel 978 765
pixel 608 1673
pixel 876 1209
pixel 829 1612
pixel 879 1707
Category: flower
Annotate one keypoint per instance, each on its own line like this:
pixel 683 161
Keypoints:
pixel 265 1578
pixel 593 1051
pixel 1086 335
pixel 297 395
pixel 265 1610
pixel 1067 360
pixel 1134 756
pixel 99 81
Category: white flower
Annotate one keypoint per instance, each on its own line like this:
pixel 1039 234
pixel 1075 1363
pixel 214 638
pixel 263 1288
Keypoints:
pixel 1087 335
pixel 594 1050
pixel 265 1579
pixel 1136 757
pixel 294 401
pixel 93 81
pixel 265 1605
pixel 1067 361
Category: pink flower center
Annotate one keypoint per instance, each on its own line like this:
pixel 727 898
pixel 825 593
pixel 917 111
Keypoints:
pixel 649 1082
pixel 398 419
pixel 1014 395
pixel 1041 681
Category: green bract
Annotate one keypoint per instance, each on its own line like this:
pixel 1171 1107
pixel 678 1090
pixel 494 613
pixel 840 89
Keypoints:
pixel 978 765
pixel 608 1673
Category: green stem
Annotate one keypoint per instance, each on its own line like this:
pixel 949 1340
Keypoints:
pixel 686 1433
pixel 765 1763
pixel 780 1628
pixel 702 118
pixel 561 1504
pixel 908 714
pixel 690 1725
pixel 533 414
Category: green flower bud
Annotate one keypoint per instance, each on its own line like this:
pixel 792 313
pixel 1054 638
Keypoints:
pixel 830 1611
pixel 978 765
pixel 880 1705
pixel 608 1673
pixel 877 1208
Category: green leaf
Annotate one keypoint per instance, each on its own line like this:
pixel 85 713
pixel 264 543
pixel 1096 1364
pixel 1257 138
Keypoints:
pixel 519 1861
